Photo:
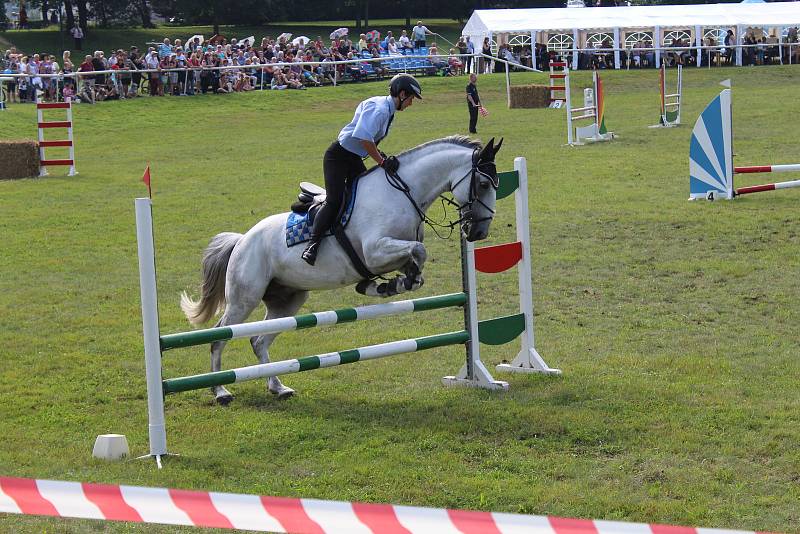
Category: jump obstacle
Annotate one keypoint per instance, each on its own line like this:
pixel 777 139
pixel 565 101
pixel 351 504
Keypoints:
pixel 711 167
pixel 498 331
pixel 670 103
pixel 68 142
pixel 593 108
pixel 557 84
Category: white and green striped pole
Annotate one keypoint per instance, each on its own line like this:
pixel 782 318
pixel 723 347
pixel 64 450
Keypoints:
pixel 152 351
pixel 331 359
pixel 283 324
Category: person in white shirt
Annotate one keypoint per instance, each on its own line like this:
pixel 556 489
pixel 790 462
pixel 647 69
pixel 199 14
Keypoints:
pixel 419 32
pixel 405 42
pixel 359 139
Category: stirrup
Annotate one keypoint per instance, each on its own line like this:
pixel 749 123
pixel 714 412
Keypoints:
pixel 310 253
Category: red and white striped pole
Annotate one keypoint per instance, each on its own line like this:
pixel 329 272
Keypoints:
pixel 767 187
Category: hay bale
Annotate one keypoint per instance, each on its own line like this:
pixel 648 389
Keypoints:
pixel 530 96
pixel 20 159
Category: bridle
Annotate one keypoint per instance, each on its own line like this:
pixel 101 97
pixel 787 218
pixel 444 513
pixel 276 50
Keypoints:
pixel 478 169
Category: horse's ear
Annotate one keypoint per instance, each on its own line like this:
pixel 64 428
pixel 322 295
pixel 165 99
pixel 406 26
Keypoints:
pixel 497 148
pixel 487 154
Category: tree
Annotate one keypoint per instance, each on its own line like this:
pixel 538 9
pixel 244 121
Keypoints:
pixel 70 22
pixel 144 11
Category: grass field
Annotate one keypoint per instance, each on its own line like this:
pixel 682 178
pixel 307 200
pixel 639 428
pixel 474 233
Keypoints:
pixel 675 323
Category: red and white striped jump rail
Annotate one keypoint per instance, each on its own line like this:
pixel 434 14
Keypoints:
pixel 767 187
pixel 291 515
pixel 68 142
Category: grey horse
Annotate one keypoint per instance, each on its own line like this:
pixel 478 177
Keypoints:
pixel 239 271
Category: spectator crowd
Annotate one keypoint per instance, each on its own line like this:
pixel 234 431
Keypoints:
pixel 219 65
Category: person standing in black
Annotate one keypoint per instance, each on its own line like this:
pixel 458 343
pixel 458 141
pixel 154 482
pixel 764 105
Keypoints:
pixel 473 103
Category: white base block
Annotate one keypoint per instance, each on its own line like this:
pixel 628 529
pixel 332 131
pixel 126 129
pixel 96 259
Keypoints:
pixel 111 447
pixel 483 379
pixel 528 362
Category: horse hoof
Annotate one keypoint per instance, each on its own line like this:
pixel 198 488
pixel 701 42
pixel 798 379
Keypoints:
pixel 224 400
pixel 283 393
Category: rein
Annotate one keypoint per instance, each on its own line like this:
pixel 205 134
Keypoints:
pixel 397 182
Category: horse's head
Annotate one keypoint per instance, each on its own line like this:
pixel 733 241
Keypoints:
pixel 476 193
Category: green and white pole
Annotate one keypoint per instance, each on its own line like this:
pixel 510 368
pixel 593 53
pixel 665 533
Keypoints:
pixel 331 359
pixel 283 324
pixel 152 351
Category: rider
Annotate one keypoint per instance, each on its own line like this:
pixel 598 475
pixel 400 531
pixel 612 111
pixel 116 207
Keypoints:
pixel 343 160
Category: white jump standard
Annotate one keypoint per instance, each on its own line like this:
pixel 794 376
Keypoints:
pixel 593 108
pixel 711 169
pixel 670 103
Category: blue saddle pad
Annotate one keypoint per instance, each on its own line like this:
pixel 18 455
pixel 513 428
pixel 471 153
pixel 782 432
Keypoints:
pixel 298 230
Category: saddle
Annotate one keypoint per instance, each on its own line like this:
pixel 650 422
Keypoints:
pixel 305 209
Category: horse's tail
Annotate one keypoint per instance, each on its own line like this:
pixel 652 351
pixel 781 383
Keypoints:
pixel 215 266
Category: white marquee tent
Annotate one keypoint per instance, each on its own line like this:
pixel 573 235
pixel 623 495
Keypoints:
pixel 493 23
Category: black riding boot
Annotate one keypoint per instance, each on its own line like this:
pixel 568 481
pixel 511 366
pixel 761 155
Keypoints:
pixel 310 253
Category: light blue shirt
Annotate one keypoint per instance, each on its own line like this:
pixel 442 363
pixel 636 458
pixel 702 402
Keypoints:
pixel 370 123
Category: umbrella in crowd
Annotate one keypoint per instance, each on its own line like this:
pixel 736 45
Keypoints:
pixel 301 41
pixel 339 33
pixel 286 36
pixel 373 36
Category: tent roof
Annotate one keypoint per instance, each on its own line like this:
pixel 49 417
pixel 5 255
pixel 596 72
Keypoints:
pixel 485 21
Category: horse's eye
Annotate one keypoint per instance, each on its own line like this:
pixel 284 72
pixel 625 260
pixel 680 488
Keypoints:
pixel 485 185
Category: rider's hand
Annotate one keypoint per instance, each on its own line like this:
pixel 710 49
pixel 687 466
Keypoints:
pixel 390 164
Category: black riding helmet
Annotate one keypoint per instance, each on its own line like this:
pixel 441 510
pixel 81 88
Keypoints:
pixel 407 83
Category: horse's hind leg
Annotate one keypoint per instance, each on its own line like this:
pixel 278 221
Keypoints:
pixel 240 305
pixel 281 302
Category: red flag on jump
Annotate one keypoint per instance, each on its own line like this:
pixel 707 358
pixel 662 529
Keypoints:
pixel 146 180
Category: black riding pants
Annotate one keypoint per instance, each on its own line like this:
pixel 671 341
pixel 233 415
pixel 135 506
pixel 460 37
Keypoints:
pixel 473 117
pixel 339 166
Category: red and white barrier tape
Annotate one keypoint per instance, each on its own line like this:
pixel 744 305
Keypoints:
pixel 279 514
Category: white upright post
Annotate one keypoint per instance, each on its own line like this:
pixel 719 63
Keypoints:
pixel 680 94
pixel 657 44
pixel 698 41
pixel 473 373
pixel 528 360
pixel 575 46
pixel 72 171
pixel 40 119
pixel 152 345
pixel 534 59
pixel 569 107
pixel 739 41
pixel 508 86
pixel 617 63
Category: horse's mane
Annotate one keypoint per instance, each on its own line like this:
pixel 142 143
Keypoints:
pixel 460 140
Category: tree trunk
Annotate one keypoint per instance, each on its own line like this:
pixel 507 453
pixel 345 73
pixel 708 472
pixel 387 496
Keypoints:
pixel 100 12
pixel 70 20
pixel 45 9
pixel 366 15
pixel 144 11
pixel 83 17
pixel 216 17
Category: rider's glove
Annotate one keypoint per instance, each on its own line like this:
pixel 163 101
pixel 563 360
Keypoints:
pixel 390 164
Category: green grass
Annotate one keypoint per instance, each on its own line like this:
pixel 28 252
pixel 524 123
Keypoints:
pixel 675 322
pixel 50 41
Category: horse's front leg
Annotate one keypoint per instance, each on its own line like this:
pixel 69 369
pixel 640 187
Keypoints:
pixel 383 256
